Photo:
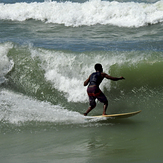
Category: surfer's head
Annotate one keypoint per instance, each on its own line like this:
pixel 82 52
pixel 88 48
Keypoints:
pixel 98 67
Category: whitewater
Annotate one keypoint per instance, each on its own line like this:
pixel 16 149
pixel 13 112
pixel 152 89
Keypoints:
pixel 129 14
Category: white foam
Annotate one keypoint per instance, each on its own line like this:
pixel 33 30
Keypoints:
pixel 17 108
pixel 5 64
pixel 67 72
pixel 128 14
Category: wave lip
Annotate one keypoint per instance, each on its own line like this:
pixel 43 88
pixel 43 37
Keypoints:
pixel 129 14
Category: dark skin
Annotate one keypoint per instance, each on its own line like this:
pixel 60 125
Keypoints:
pixel 104 75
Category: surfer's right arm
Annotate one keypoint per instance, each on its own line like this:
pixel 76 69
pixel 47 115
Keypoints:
pixel 87 81
pixel 111 78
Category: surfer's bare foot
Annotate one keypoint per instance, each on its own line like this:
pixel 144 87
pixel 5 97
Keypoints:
pixel 104 114
pixel 85 114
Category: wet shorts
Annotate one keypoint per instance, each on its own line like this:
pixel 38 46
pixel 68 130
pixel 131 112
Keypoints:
pixel 95 93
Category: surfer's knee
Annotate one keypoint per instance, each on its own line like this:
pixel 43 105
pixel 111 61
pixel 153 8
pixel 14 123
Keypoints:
pixel 106 103
pixel 93 106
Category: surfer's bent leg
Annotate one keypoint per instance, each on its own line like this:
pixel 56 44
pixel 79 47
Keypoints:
pixel 105 108
pixel 102 98
pixel 92 104
pixel 92 98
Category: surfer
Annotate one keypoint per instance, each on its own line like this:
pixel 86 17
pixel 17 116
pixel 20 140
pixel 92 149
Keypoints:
pixel 93 89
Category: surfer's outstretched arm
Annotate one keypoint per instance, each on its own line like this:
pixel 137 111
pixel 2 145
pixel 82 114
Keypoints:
pixel 111 78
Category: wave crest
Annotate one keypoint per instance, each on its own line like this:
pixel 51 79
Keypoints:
pixel 93 12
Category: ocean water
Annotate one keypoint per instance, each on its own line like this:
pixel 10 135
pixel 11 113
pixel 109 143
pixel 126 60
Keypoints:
pixel 48 49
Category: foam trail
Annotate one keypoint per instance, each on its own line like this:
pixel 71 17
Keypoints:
pixel 129 14
pixel 17 108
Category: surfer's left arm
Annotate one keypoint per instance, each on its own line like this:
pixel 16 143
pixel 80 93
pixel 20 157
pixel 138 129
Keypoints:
pixel 87 81
pixel 112 78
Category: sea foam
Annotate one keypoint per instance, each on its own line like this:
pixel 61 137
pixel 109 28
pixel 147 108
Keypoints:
pixel 128 14
pixel 17 109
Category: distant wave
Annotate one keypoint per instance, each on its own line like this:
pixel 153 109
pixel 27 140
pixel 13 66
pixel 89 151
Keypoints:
pixel 129 14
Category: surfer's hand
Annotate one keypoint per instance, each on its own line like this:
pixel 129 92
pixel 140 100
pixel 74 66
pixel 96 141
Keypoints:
pixel 122 77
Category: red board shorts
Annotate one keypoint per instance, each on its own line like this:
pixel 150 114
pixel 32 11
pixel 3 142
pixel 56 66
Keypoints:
pixel 95 93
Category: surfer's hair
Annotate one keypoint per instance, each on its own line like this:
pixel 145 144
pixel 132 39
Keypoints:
pixel 98 67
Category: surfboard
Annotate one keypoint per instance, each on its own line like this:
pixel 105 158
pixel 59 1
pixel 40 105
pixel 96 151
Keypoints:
pixel 114 116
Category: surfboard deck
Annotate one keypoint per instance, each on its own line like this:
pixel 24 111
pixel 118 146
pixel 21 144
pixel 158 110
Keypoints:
pixel 122 115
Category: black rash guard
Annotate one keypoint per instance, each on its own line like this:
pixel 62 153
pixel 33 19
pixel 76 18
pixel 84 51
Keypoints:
pixel 95 79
